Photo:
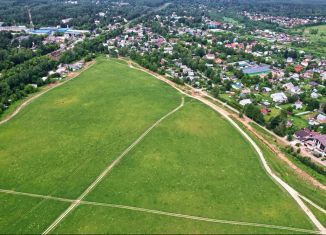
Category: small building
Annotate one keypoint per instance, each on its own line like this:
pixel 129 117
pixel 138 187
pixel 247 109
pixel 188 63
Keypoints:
pixel 210 57
pixel 298 68
pixel 243 64
pixel 245 102
pixel 264 111
pixel 321 118
pixel 289 60
pixel 257 70
pixel 279 97
pixel 314 95
pixel 266 89
pixel 298 105
pixel 214 25
pixel 317 143
pixel 237 85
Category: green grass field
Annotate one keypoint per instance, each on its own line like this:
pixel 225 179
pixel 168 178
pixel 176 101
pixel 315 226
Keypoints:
pixel 317 41
pixel 320 36
pixel 193 163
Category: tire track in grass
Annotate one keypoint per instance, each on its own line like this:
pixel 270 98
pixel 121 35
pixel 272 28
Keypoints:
pixel 158 212
pixel 107 170
pixel 293 193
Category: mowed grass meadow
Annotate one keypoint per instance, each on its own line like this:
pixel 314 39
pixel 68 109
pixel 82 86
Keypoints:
pixel 193 163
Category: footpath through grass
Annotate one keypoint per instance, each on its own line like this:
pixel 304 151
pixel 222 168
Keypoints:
pixel 288 174
pixel 321 178
pixel 194 163
pixel 63 140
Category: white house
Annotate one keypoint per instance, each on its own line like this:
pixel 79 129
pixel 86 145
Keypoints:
pixel 289 60
pixel 314 95
pixel 266 89
pixel 245 102
pixel 288 86
pixel 321 118
pixel 210 57
pixel 298 105
pixel 279 97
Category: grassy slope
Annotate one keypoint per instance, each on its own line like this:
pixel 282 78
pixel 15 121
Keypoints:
pixel 62 141
pixel 318 36
pixel 321 178
pixel 289 175
pixel 318 41
pixel 195 163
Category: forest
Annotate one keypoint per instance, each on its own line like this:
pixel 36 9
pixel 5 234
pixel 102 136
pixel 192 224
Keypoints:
pixel 83 14
pixel 21 65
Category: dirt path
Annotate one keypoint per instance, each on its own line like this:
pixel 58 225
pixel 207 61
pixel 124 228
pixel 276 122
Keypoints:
pixel 246 122
pixel 70 76
pixel 107 170
pixel 294 194
pixel 280 140
pixel 165 213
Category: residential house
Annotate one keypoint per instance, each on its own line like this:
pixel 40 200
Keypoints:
pixel 266 89
pixel 317 143
pixel 314 95
pixel 298 105
pixel 279 97
pixel 288 86
pixel 245 102
pixel 210 57
pixel 289 60
pixel 321 118
pixel 304 134
pixel 298 68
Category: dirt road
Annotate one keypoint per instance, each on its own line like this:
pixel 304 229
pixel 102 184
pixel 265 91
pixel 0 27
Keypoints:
pixel 294 194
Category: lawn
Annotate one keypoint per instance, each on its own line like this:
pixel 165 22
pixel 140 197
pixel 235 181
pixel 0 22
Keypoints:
pixel 320 36
pixel 20 214
pixel 186 165
pixel 299 122
pixel 64 139
pixel 273 113
pixel 194 162
pixel 227 97
pixel 72 132
pixel 317 41
pixel 119 221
